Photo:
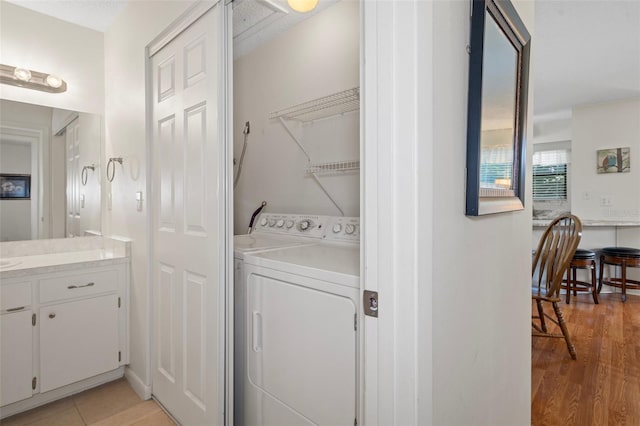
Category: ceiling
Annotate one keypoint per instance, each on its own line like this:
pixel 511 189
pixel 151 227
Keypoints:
pixel 584 51
pixel 94 14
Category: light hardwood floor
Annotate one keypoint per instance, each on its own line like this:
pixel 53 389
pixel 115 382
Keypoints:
pixel 112 404
pixel 602 387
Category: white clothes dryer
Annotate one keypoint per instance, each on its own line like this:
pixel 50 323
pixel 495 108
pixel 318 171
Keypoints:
pixel 301 331
pixel 273 231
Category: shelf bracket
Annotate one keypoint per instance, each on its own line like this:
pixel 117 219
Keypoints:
pixel 286 127
pixel 327 193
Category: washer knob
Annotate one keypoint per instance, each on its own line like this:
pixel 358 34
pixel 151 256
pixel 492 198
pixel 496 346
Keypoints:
pixel 289 224
pixel 280 223
pixel 263 221
pixel 305 224
pixel 272 223
pixel 337 228
pixel 350 229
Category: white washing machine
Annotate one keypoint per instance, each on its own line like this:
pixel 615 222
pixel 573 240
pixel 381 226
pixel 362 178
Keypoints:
pixel 273 231
pixel 301 331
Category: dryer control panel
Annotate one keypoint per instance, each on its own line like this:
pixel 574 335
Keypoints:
pixel 345 229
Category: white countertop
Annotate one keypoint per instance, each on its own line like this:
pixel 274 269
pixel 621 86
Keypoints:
pixel 11 267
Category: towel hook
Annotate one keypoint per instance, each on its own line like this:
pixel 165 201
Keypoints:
pixel 85 173
pixel 112 174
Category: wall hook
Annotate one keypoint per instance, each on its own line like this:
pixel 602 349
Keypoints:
pixel 85 173
pixel 111 171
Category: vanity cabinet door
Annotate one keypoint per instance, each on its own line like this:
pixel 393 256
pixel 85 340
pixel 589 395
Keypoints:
pixel 78 340
pixel 16 356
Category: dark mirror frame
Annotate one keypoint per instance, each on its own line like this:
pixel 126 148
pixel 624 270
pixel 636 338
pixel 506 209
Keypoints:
pixel 510 23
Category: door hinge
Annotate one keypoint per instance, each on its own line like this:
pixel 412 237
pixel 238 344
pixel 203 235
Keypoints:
pixel 355 321
pixel 370 303
pixel 33 321
pixel 355 422
pixel 119 356
pixel 118 302
pixel 34 381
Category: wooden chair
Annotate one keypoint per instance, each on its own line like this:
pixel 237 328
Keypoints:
pixel 551 261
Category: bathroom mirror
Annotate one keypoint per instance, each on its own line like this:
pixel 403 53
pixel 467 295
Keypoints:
pixel 497 109
pixel 61 151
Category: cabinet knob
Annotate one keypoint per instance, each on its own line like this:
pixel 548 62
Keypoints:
pixel 52 315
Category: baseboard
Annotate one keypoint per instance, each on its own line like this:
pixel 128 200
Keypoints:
pixel 140 388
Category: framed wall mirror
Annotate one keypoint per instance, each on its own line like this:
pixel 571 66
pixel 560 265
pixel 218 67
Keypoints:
pixel 497 109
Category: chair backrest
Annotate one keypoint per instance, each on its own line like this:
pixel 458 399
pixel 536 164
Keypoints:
pixel 554 253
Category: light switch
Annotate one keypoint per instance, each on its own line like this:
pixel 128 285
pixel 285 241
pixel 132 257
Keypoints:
pixel 82 201
pixel 139 200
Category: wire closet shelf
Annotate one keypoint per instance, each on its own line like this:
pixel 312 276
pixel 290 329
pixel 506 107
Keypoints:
pixel 333 167
pixel 327 106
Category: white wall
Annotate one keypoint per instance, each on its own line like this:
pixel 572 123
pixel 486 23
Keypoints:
pixel 602 126
pixel 552 128
pixel 125 43
pixel 15 215
pixel 35 41
pixel 318 57
pixel 452 344
pixel 481 266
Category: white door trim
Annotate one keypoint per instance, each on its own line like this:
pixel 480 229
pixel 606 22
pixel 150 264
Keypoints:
pixel 396 210
pixel 226 169
pixel 225 275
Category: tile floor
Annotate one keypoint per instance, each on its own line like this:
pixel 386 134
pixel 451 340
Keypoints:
pixel 112 404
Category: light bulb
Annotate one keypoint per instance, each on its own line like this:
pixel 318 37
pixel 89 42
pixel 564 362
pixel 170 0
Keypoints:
pixel 22 74
pixel 54 81
pixel 302 6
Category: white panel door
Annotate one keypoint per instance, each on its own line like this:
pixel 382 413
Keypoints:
pixel 187 201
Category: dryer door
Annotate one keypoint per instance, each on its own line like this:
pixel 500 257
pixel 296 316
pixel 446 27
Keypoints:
pixel 301 344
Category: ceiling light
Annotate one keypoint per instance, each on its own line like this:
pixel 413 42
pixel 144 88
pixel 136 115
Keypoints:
pixel 22 74
pixel 302 6
pixel 30 79
pixel 54 81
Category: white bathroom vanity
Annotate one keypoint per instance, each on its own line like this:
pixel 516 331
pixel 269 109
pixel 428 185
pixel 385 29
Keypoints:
pixel 63 317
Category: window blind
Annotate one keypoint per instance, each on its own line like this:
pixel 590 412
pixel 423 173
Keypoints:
pixel 550 174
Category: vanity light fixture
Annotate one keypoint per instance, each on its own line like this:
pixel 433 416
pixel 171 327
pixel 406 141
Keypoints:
pixel 30 79
pixel 302 6
pixel 54 81
pixel 22 74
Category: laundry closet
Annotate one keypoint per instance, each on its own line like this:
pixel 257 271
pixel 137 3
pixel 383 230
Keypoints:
pixel 296 151
pixel 315 59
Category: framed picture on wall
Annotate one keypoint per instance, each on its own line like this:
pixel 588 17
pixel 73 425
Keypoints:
pixel 15 187
pixel 616 160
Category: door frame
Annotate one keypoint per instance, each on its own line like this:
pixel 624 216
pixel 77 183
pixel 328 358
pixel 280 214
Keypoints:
pixel 225 275
pixel 35 138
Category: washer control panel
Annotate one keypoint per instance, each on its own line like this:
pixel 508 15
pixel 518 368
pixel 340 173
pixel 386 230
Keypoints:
pixel 292 224
pixel 328 228
pixel 343 229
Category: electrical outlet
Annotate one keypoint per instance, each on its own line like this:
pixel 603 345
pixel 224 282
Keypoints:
pixel 586 195
pixel 606 200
